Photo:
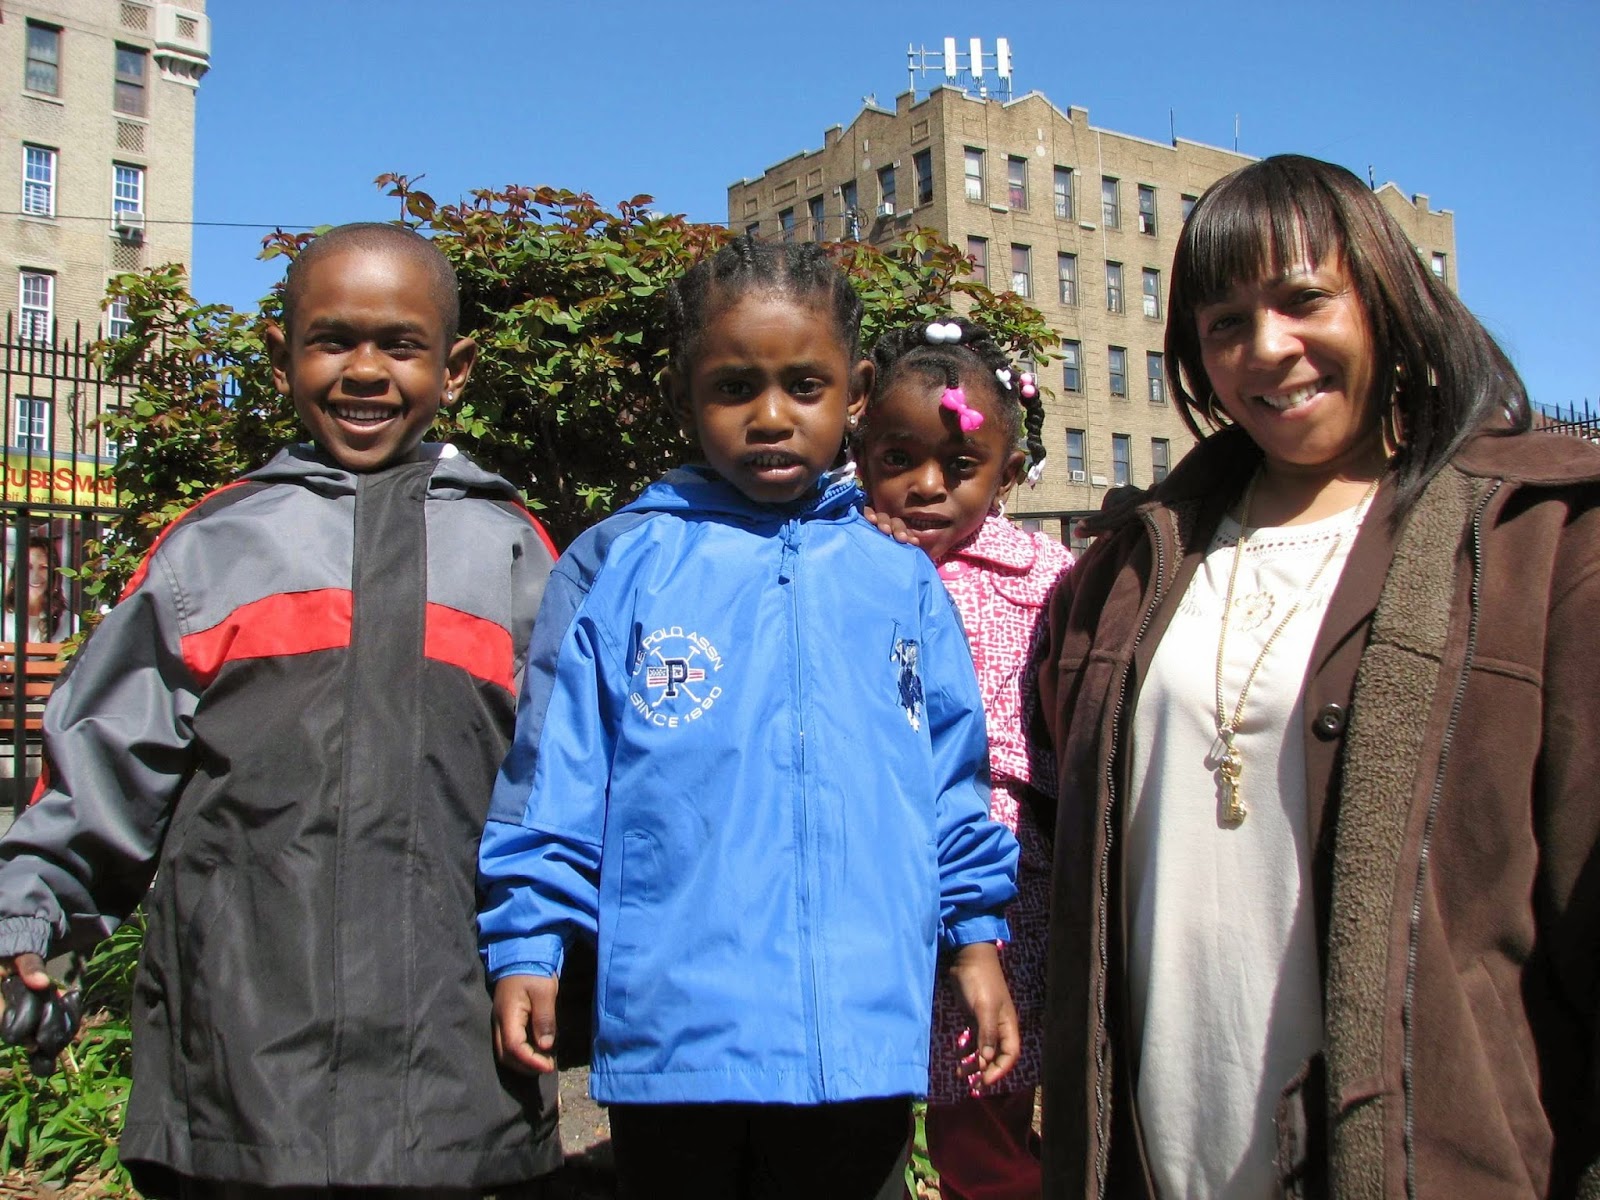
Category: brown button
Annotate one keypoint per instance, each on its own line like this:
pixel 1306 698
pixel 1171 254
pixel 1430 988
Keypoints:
pixel 1329 722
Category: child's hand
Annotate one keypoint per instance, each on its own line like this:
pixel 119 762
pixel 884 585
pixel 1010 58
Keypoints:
pixel 975 974
pixel 33 1014
pixel 893 526
pixel 29 968
pixel 524 1005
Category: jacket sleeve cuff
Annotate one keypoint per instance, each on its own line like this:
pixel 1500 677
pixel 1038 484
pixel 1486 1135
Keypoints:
pixel 539 955
pixel 24 935
pixel 975 929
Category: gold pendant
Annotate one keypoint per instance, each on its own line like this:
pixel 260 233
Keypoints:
pixel 1230 766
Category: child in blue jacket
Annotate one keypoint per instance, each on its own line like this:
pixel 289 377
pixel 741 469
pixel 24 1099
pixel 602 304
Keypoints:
pixel 750 762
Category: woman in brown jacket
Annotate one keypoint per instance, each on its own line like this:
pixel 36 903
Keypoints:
pixel 1326 912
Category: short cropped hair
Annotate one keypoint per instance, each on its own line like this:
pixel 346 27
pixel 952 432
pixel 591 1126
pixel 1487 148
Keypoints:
pixel 803 271
pixel 379 237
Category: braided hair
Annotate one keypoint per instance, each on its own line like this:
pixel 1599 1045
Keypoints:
pixel 801 270
pixel 975 357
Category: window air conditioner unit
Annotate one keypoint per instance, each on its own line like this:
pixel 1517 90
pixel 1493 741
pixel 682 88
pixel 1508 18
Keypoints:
pixel 128 225
pixel 886 209
pixel 1078 476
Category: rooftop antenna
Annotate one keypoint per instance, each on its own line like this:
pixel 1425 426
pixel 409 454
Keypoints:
pixel 966 69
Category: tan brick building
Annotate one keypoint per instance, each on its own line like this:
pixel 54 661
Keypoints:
pixel 97 101
pixel 1082 221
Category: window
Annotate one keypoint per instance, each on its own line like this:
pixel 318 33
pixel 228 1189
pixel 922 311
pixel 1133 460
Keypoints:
pixel 127 189
pixel 978 252
pixel 38 307
pixel 1147 210
pixel 38 181
pixel 1121 451
pixel 923 162
pixel 30 429
pixel 128 96
pixel 786 224
pixel 1072 366
pixel 1114 287
pixel 1110 204
pixel 1153 372
pixel 973 170
pixel 1022 270
pixel 117 320
pixel 1160 456
pixel 1075 467
pixel 886 205
pixel 1152 292
pixel 852 213
pixel 1117 360
pixel 1067 272
pixel 1437 265
pixel 43 72
pixel 1188 205
pixel 1017 183
pixel 753 230
pixel 1063 189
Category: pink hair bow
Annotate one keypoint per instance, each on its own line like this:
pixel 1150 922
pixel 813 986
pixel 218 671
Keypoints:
pixel 956 401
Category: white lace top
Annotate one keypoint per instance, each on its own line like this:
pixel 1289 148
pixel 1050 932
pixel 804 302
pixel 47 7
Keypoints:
pixel 1222 958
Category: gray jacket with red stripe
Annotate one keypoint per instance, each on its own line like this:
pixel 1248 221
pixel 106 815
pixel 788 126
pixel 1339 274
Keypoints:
pixel 296 713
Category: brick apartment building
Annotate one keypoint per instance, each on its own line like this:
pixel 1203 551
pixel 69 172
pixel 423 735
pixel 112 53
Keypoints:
pixel 1080 220
pixel 98 176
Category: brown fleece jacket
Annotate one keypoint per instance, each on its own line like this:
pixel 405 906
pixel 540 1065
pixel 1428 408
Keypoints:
pixel 1453 791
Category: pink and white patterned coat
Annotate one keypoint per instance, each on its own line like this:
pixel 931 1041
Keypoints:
pixel 1000 580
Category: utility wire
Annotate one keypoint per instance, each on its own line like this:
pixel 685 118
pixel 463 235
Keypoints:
pixel 154 221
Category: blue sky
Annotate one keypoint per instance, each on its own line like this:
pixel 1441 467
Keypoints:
pixel 1489 108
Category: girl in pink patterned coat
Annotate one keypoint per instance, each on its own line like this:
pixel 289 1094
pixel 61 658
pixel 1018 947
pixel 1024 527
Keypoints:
pixel 941 444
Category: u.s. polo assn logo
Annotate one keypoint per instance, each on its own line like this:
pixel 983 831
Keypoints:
pixel 674 677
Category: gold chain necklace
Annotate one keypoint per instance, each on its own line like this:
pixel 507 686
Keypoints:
pixel 1223 756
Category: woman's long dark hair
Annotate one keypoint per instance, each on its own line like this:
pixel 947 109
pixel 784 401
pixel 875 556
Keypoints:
pixel 1448 376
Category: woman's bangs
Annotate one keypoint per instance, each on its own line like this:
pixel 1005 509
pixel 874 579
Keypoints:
pixel 1257 227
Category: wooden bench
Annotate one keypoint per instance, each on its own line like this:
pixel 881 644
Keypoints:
pixel 41 667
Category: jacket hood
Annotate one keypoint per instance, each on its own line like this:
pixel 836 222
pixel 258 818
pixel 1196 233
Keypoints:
pixel 454 474
pixel 701 490
pixel 1543 459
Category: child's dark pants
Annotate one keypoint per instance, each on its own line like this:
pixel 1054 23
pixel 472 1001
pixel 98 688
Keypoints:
pixel 853 1151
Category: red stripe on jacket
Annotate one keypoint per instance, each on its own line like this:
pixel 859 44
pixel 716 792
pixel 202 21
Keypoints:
pixel 272 627
pixel 479 647
pixel 305 622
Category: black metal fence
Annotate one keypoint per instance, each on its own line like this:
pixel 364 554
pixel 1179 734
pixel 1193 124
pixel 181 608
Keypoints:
pixel 56 494
pixel 1580 422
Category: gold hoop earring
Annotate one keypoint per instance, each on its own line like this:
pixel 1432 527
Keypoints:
pixel 1212 411
pixel 1392 428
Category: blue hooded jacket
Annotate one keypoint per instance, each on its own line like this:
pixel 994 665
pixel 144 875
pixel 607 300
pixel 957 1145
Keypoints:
pixel 750 762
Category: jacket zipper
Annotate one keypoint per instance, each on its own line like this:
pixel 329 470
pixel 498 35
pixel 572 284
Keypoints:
pixel 1407 1018
pixel 788 572
pixel 1102 1105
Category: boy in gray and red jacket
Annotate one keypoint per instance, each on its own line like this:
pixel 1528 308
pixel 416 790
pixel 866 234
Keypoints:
pixel 296 713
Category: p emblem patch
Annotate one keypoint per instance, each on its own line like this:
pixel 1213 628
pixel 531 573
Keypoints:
pixel 674 677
